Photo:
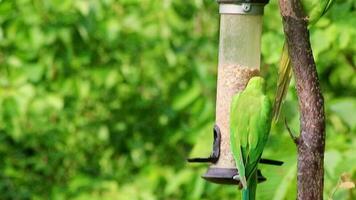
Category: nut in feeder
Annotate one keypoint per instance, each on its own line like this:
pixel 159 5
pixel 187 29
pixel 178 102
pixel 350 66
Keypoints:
pixel 239 60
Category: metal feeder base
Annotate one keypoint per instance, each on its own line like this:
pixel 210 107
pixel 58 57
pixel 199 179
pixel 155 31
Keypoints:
pixel 225 176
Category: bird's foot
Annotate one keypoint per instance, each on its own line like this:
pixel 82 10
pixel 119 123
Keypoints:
pixel 237 178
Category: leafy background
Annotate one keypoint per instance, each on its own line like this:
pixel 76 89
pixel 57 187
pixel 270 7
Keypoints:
pixel 105 99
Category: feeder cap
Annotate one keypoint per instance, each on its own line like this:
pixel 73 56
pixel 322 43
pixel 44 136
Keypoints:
pixel 243 1
pixel 242 7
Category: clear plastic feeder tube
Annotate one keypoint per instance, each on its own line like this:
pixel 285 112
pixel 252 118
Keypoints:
pixel 239 60
pixel 240 41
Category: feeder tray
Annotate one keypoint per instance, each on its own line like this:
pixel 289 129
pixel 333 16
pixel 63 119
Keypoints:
pixel 228 176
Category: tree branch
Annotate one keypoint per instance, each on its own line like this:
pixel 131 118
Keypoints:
pixel 311 143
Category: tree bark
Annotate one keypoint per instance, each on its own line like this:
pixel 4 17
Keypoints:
pixel 311 142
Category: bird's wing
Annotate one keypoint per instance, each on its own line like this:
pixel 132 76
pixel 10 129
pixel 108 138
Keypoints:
pixel 235 143
pixel 260 124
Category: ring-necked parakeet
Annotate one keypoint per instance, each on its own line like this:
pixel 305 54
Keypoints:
pixel 314 9
pixel 250 123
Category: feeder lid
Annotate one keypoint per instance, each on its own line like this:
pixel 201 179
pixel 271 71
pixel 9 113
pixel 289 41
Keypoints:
pixel 243 1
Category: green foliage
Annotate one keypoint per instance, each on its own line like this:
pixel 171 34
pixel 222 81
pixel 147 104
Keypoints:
pixel 105 99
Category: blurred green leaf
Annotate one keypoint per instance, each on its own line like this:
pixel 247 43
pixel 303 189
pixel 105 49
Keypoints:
pixel 345 108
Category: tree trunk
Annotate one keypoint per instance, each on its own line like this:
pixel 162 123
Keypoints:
pixel 311 142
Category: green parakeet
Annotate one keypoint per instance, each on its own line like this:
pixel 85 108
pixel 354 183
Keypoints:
pixel 314 9
pixel 250 123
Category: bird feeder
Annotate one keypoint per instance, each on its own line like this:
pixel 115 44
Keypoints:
pixel 239 60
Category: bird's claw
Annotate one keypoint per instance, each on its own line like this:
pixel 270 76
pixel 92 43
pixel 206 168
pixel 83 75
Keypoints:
pixel 236 177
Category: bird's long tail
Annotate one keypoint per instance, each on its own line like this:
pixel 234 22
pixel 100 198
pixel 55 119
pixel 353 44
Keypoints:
pixel 246 194
pixel 284 77
pixel 250 192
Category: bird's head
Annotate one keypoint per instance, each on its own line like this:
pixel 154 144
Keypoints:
pixel 256 83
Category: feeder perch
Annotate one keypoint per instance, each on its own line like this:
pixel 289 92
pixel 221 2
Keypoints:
pixel 239 60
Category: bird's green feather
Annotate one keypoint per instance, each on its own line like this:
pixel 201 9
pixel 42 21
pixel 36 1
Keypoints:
pixel 250 122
